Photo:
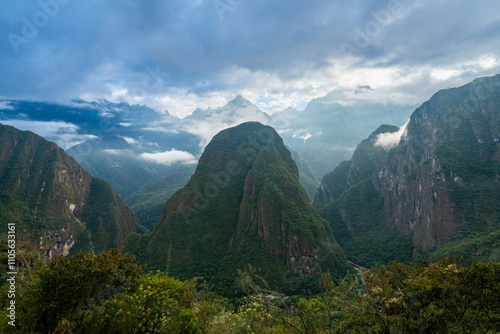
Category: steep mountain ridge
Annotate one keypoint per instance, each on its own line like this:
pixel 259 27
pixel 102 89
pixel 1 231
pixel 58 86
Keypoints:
pixel 448 166
pixel 347 198
pixel 306 175
pixel 243 205
pixel 438 187
pixel 54 201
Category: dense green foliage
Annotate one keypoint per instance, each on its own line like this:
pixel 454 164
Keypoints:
pixel 104 213
pixel 108 293
pixel 65 291
pixel 355 210
pixel 438 298
pixel 484 248
pixel 27 168
pixel 364 235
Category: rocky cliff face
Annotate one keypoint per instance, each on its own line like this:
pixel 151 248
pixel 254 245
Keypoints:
pixel 438 186
pixel 442 181
pixel 45 192
pixel 243 205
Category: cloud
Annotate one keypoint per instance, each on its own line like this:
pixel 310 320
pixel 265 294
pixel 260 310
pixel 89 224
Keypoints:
pixel 6 105
pixel 390 140
pixel 305 136
pixel 155 128
pixel 117 152
pixel 130 140
pixel 63 134
pixel 170 157
pixel 179 55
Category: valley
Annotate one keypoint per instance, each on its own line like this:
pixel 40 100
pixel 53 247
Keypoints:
pixel 250 217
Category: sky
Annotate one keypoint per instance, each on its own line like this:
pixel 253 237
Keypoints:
pixel 181 55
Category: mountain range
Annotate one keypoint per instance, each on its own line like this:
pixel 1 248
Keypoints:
pixel 131 145
pixel 426 189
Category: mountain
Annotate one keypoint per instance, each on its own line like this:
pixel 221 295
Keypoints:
pixel 237 111
pixel 327 131
pixel 306 176
pixel 53 201
pixel 437 191
pixel 243 205
pixel 148 201
pixel 207 123
pixel 347 198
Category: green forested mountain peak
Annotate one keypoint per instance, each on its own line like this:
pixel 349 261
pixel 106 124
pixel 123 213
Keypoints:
pixel 54 201
pixel 243 205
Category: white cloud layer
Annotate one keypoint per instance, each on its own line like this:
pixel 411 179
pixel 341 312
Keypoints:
pixel 117 152
pixel 390 140
pixel 170 157
pixel 63 134
pixel 6 105
pixel 130 140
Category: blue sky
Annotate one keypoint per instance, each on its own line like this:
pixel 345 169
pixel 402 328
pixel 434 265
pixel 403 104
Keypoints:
pixel 180 55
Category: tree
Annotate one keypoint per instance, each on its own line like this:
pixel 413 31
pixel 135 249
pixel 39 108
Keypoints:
pixel 441 297
pixel 67 291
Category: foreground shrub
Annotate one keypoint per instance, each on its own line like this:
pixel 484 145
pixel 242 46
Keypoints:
pixel 160 304
pixel 66 293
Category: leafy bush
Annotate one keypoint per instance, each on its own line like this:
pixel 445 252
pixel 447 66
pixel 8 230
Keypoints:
pixel 160 304
pixel 68 290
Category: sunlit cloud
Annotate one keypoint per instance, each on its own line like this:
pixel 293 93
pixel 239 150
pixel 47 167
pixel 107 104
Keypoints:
pixel 390 140
pixel 223 118
pixel 117 152
pixel 130 140
pixel 170 157
pixel 6 105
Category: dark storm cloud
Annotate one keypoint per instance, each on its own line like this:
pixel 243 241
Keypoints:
pixel 57 50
